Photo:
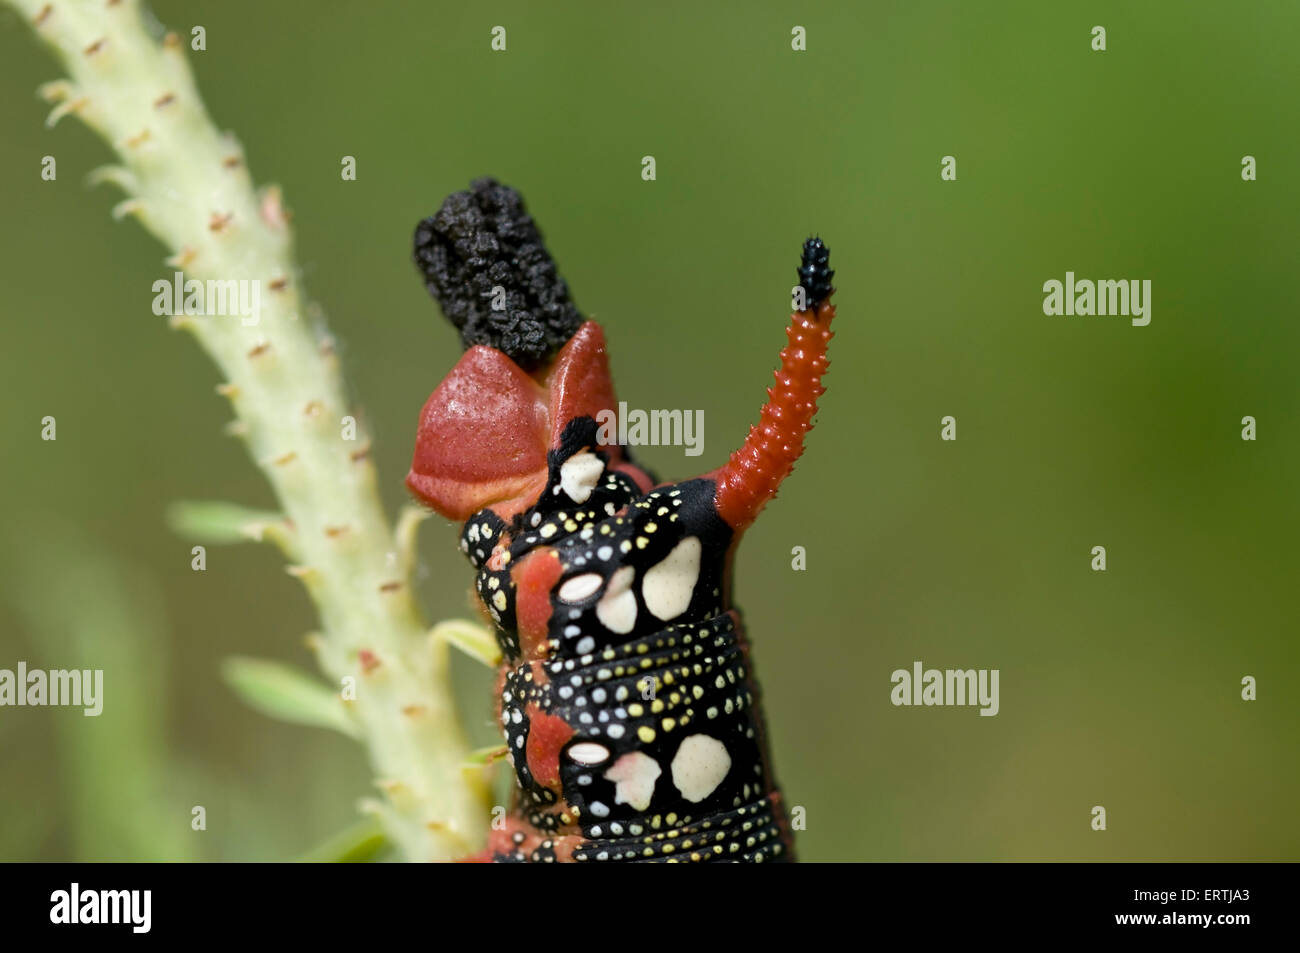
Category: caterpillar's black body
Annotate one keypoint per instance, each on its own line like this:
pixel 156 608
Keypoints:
pixel 650 744
pixel 627 697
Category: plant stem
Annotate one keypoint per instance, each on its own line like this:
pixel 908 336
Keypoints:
pixel 188 185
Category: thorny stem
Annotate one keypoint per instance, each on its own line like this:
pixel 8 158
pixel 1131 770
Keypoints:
pixel 188 185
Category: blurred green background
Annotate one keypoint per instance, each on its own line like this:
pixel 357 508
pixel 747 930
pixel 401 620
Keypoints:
pixel 1119 689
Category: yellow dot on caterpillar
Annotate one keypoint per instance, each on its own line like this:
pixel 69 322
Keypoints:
pixel 547 531
pixel 625 546
pixel 669 724
pixel 499 600
pixel 636 711
pixel 646 734
pixel 642 542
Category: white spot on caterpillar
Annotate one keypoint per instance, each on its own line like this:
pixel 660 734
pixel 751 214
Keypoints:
pixel 634 776
pixel 581 587
pixel 588 752
pixel 579 475
pixel 617 607
pixel 699 767
pixel 669 585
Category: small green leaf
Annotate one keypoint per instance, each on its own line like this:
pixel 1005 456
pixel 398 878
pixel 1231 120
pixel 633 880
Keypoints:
pixel 360 843
pixel 213 521
pixel 282 692
pixel 408 527
pixel 482 756
pixel 471 638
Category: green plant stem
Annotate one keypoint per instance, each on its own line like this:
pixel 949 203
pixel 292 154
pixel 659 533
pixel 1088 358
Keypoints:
pixel 188 185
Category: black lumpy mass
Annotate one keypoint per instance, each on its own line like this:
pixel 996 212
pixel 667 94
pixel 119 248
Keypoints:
pixel 815 272
pixel 483 260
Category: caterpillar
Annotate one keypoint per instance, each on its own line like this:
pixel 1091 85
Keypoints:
pixel 626 693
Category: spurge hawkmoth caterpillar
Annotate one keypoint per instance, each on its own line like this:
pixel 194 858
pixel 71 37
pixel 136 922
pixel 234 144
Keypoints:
pixel 627 695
